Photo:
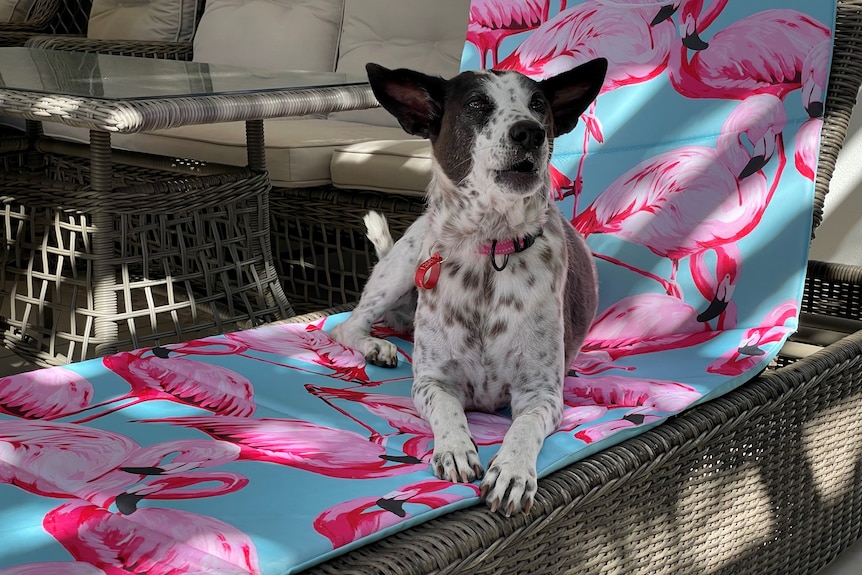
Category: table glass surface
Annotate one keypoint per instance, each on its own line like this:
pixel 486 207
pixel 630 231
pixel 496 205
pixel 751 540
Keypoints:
pixel 91 75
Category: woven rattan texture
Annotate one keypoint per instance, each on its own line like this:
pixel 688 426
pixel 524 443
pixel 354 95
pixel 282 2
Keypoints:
pixel 41 15
pixel 189 254
pixel 128 116
pixel 47 16
pixel 141 48
pixel 72 17
pixel 319 244
pixel 69 33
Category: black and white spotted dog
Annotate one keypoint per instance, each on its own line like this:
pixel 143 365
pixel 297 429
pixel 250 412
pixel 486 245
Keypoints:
pixel 506 287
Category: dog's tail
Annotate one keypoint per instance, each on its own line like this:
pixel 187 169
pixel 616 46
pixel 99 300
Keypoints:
pixel 377 230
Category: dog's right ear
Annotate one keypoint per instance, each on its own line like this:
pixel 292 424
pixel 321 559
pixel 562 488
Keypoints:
pixel 415 99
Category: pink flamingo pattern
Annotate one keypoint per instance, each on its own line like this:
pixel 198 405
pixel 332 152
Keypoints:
pixel 193 457
pixel 326 451
pixel 694 198
pixel 73 461
pixel 44 394
pixel 491 21
pixel 157 541
pixel 354 519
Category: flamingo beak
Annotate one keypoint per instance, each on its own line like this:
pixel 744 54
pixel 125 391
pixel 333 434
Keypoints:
pixel 406 459
pixel 161 352
pixel 815 109
pixel 635 418
pixel 664 13
pixel 395 506
pixel 715 309
pixel 753 166
pixel 143 470
pixel 127 503
pixel 751 350
pixel 694 42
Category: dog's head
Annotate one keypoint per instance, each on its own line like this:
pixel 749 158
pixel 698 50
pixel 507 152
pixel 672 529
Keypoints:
pixel 490 129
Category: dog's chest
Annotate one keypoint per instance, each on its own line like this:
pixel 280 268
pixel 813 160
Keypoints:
pixel 479 325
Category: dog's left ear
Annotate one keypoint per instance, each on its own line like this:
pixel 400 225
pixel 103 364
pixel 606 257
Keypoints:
pixel 570 93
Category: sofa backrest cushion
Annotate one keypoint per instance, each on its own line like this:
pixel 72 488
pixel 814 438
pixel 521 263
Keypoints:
pixel 419 34
pixel 157 20
pixel 276 34
pixel 15 10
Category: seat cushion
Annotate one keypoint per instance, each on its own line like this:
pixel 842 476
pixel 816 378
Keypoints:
pixel 402 166
pixel 158 20
pixel 285 35
pixel 298 152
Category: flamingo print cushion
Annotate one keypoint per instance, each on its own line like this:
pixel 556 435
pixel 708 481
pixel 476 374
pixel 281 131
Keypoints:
pixel 270 450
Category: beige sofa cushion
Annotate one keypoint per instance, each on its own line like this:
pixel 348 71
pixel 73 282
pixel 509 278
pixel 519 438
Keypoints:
pixel 418 34
pixel 298 152
pixel 159 20
pixel 15 10
pixel 401 166
pixel 277 34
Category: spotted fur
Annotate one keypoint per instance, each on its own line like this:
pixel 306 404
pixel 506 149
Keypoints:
pixel 485 339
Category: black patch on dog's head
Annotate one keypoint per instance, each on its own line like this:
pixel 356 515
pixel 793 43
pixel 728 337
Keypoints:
pixel 467 111
pixel 452 112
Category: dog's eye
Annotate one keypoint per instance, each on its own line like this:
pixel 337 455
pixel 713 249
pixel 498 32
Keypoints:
pixel 479 104
pixel 537 104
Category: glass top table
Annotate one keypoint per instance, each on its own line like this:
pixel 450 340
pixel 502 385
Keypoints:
pixel 150 236
pixel 126 94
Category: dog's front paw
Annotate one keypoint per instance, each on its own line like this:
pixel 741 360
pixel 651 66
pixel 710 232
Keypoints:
pixel 509 486
pixel 457 462
pixel 380 352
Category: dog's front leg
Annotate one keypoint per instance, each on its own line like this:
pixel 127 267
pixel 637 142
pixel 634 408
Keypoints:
pixel 390 282
pixel 510 483
pixel 455 455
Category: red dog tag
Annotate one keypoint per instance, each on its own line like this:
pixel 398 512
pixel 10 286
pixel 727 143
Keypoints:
pixel 428 272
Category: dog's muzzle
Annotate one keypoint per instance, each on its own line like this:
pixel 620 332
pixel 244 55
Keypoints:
pixel 527 141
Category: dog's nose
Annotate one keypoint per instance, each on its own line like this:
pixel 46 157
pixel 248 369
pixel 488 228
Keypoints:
pixel 529 135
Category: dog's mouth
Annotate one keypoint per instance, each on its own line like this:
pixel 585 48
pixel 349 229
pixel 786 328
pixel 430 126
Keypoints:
pixel 524 167
pixel 519 176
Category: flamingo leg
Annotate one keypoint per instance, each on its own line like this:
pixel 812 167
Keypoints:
pixel 671 288
pixel 374 434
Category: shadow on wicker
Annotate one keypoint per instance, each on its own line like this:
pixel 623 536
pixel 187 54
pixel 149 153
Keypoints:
pixel 189 248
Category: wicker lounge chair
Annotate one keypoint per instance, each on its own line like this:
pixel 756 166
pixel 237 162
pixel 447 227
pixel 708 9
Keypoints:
pixel 765 479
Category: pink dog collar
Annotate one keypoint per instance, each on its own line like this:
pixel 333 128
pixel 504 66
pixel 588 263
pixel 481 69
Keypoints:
pixel 428 271
pixel 504 248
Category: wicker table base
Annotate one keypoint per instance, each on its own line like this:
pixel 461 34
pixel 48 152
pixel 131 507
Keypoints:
pixel 187 256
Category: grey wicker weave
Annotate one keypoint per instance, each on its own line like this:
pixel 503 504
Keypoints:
pixel 104 250
pixel 45 16
pixel 39 18
pixel 766 479
pixel 69 29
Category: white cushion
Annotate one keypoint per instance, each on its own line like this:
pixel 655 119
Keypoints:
pixel 15 10
pixel 402 166
pixel 418 34
pixel 298 152
pixel 157 20
pixel 278 34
